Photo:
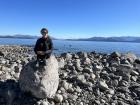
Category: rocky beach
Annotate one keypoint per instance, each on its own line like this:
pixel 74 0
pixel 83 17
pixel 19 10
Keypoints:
pixel 85 78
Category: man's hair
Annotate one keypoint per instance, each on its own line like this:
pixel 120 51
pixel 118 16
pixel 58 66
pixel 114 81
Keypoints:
pixel 44 29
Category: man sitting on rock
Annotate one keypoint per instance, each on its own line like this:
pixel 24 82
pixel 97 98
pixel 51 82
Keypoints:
pixel 43 47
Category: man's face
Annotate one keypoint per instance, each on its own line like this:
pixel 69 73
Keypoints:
pixel 44 34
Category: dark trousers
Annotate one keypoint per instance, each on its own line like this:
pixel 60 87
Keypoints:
pixel 43 57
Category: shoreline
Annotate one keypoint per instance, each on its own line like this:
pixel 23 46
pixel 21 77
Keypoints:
pixel 58 52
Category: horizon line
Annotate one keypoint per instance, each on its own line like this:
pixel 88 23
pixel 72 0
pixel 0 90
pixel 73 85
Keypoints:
pixel 68 37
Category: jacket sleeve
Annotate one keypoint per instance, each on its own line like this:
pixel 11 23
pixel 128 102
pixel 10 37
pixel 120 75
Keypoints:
pixel 50 46
pixel 36 46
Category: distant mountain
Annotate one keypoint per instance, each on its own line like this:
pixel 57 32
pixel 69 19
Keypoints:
pixel 53 38
pixel 19 36
pixel 22 36
pixel 110 39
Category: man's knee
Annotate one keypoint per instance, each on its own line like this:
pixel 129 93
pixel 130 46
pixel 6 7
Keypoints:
pixel 48 55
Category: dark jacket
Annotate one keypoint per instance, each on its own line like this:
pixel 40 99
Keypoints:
pixel 43 45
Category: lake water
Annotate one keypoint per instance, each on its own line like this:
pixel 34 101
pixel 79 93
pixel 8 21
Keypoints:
pixel 62 46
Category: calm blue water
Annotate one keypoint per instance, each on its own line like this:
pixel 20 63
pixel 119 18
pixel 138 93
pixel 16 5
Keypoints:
pixel 75 46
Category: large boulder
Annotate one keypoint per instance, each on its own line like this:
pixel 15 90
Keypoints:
pixel 43 81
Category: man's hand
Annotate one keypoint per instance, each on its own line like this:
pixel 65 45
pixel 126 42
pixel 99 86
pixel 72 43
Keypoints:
pixel 48 51
pixel 41 52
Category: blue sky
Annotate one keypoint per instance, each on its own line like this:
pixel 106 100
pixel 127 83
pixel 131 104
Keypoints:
pixel 71 18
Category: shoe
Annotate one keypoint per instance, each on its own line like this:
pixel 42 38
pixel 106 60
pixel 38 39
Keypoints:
pixel 37 64
pixel 42 62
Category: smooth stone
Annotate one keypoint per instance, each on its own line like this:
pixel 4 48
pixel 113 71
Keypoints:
pixel 58 98
pixel 103 85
